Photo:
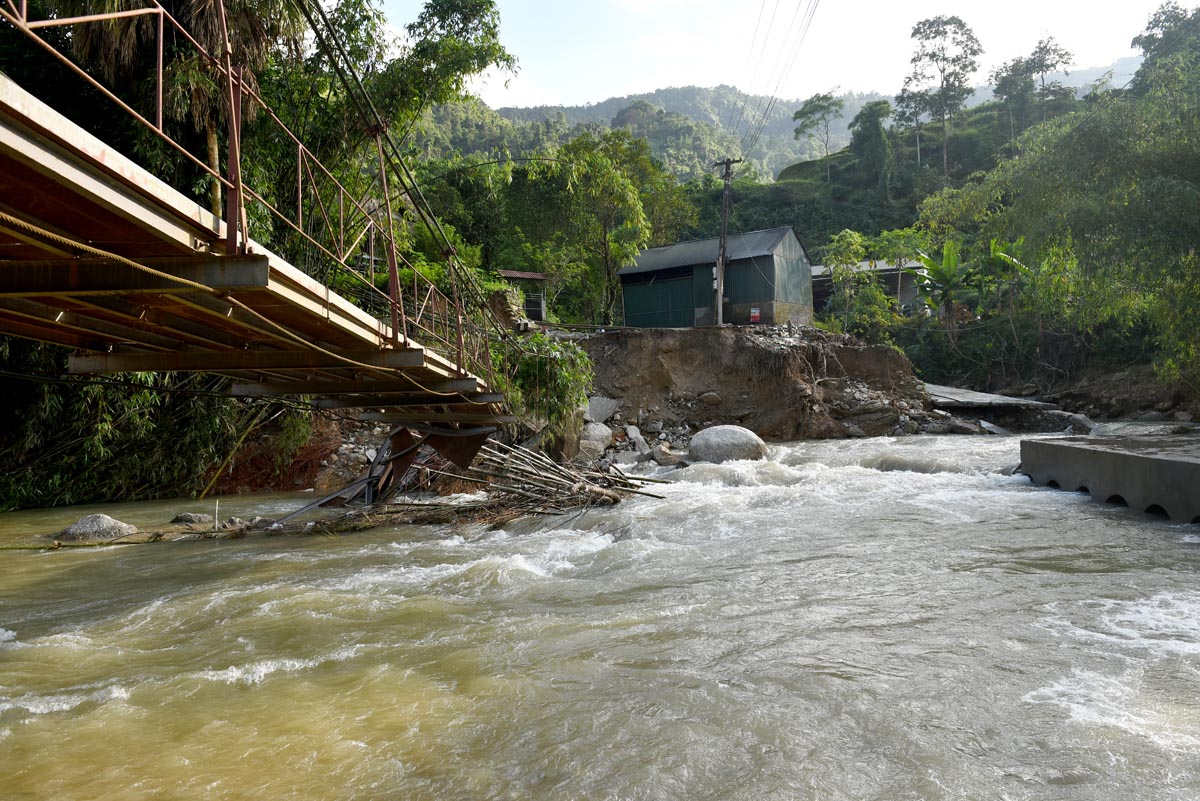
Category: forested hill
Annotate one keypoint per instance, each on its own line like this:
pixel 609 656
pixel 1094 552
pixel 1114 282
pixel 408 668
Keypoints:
pixel 723 108
pixel 687 127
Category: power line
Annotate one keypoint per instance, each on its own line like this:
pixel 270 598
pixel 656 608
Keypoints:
pixel 754 75
pixel 786 69
pixel 778 60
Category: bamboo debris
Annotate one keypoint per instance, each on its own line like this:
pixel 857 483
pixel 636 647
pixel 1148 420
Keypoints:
pixel 519 483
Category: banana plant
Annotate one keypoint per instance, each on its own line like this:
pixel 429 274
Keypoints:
pixel 939 281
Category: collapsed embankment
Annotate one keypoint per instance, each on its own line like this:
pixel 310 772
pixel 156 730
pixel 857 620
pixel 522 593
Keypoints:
pixel 782 384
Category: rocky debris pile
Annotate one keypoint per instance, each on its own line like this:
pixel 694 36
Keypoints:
pixel 783 383
pixel 360 442
pixel 1134 392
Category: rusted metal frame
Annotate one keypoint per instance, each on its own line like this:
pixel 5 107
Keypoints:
pixel 234 211
pixel 159 77
pixel 254 195
pixel 320 202
pixel 371 249
pixel 458 316
pixel 253 95
pixel 358 240
pixel 58 22
pixel 300 185
pixel 109 94
pixel 393 270
pixel 424 302
pixel 233 83
pixel 250 193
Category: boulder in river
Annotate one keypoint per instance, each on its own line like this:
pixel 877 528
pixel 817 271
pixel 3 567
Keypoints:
pixel 726 444
pixel 192 518
pixel 95 528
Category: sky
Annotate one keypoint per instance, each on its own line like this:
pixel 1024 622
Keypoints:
pixel 574 52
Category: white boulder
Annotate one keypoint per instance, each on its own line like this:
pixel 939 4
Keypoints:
pixel 726 444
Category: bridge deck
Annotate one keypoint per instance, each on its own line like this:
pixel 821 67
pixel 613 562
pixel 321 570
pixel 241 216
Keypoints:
pixel 255 318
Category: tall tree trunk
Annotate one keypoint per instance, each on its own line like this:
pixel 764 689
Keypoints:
pixel 945 145
pixel 214 164
pixel 918 129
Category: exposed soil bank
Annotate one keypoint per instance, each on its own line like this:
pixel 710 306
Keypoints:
pixel 783 385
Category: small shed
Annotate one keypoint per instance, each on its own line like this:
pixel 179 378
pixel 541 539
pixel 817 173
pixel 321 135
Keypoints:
pixel 767 280
pixel 896 279
pixel 533 287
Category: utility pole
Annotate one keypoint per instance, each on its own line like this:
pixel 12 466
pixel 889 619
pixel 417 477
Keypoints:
pixel 720 291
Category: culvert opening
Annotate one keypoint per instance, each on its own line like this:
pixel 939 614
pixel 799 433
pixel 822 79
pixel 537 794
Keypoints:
pixel 1154 510
pixel 1053 483
pixel 1116 500
pixel 1083 489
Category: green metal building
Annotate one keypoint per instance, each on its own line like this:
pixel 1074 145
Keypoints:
pixel 768 279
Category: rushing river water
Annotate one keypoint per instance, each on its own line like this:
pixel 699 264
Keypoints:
pixel 878 619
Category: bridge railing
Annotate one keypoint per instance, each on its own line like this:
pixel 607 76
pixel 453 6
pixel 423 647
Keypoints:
pixel 332 231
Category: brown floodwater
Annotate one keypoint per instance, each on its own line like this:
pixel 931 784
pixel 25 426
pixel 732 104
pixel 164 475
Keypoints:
pixel 879 619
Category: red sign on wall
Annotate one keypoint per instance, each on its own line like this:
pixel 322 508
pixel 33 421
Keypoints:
pixel 755 316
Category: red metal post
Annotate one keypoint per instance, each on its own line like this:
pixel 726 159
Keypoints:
pixel 393 271
pixel 159 117
pixel 458 317
pixel 233 199
pixel 300 187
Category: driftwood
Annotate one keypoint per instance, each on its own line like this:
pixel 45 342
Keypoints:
pixel 517 483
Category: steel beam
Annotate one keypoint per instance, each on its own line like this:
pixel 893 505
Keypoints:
pixel 236 360
pixel 391 400
pixel 441 417
pixel 107 276
pixel 355 387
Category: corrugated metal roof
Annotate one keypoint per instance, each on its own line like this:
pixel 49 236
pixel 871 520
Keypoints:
pixel 704 251
pixel 820 271
pixel 524 274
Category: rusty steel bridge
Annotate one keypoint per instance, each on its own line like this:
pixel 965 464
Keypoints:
pixel 101 256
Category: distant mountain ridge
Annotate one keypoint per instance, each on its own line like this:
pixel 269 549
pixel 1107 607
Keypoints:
pixel 724 107
pixel 734 115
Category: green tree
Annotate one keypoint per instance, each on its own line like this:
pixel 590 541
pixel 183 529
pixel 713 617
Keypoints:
pixel 1014 86
pixel 599 197
pixel 1049 56
pixel 845 251
pixel 815 115
pixel 870 142
pixel 947 52
pixel 912 105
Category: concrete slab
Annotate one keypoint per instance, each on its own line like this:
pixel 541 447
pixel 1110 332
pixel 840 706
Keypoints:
pixel 1144 472
pixel 943 397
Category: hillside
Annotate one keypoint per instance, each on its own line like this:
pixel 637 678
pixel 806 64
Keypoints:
pixel 725 108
